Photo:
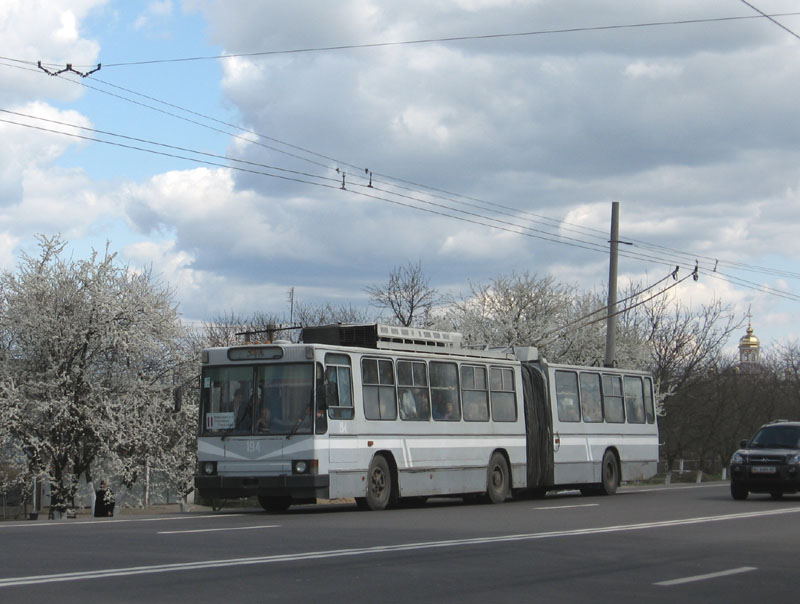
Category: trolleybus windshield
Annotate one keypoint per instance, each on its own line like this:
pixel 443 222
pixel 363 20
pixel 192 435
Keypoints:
pixel 262 399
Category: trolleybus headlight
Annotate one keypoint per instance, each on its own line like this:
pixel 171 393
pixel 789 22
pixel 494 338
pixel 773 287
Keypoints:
pixel 305 466
pixel 209 468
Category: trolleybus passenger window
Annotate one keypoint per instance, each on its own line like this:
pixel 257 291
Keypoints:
pixel 444 391
pixel 380 397
pixel 634 399
pixel 474 393
pixel 648 401
pixel 612 399
pixel 338 386
pixel 567 396
pixel 504 402
pixel 412 390
pixel 591 397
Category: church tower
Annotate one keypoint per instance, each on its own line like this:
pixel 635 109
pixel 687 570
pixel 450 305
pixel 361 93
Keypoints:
pixel 749 346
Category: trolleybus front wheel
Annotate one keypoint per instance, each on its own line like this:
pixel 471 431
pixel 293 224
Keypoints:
pixel 497 479
pixel 379 484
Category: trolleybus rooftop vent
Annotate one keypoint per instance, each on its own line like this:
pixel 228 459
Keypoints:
pixel 382 336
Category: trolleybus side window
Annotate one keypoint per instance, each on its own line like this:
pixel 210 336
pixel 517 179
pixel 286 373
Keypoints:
pixel 338 386
pixel 444 391
pixel 504 401
pixel 567 396
pixel 634 399
pixel 591 397
pixel 648 401
pixel 612 399
pixel 380 397
pixel 474 393
pixel 412 390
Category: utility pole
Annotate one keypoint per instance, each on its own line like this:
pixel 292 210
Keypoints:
pixel 611 322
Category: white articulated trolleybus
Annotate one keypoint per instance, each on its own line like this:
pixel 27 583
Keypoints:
pixel 379 413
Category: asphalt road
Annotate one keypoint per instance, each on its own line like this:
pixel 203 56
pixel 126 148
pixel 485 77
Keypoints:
pixel 657 544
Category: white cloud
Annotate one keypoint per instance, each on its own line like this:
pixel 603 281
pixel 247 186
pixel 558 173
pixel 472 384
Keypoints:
pixel 691 128
pixel 642 69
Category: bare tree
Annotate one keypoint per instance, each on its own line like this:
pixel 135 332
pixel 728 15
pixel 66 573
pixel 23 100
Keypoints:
pixel 407 295
pixel 309 315
pixel 226 329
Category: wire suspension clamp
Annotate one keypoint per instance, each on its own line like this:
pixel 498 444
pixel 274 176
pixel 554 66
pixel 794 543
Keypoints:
pixel 68 68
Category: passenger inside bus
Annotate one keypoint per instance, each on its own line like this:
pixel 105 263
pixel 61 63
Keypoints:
pixel 408 406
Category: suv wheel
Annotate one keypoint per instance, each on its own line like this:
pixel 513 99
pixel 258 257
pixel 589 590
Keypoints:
pixel 738 490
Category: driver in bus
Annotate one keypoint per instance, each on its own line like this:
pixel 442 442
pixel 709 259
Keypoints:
pixel 264 419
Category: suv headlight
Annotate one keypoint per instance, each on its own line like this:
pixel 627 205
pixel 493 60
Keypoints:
pixel 737 458
pixel 793 460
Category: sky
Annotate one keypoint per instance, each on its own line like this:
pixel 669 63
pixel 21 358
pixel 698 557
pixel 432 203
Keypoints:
pixel 250 148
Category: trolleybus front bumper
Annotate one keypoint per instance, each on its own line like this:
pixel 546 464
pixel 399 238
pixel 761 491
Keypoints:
pixel 294 486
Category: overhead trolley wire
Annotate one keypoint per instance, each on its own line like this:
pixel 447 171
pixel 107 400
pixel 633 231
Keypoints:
pixel 552 237
pixel 469 218
pixel 563 330
pixel 541 32
pixel 517 213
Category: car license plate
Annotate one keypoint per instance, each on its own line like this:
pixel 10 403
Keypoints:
pixel 764 469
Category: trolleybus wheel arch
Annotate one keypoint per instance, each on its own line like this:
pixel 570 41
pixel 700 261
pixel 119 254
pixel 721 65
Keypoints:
pixel 275 503
pixel 379 483
pixel 497 479
pixel 609 474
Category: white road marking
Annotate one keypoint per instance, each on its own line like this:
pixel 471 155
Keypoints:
pixel 722 573
pixel 213 530
pixel 184 566
pixel 63 523
pixel 694 486
pixel 564 507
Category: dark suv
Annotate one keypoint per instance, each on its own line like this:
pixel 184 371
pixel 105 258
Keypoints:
pixel 769 462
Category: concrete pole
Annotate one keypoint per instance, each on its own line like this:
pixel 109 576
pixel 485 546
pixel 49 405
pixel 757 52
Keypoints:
pixel 611 323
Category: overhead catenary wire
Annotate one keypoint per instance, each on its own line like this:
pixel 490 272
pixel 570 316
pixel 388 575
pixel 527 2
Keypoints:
pixel 464 38
pixel 562 224
pixel 770 17
pixel 551 236
pixel 564 330
pixel 468 218
pixel 673 275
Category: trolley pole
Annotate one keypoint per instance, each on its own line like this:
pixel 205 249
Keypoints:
pixel 611 322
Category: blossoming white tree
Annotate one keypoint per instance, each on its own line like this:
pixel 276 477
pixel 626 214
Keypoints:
pixel 90 351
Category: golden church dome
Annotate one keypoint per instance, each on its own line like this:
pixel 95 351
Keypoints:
pixel 749 340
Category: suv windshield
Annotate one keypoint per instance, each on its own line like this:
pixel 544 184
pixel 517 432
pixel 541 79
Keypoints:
pixel 777 437
pixel 266 399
